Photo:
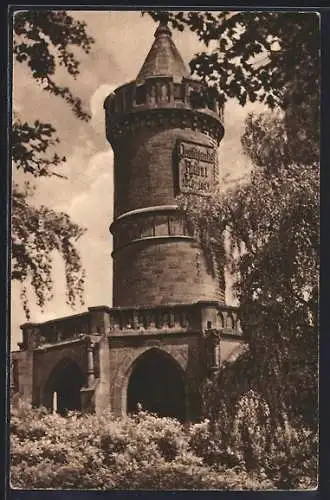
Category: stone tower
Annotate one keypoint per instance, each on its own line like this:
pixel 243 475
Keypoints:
pixel 169 328
pixel 164 135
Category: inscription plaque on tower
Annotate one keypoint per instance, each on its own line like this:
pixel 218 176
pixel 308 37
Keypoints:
pixel 196 167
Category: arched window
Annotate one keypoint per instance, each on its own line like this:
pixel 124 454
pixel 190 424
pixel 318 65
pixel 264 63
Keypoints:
pixel 152 94
pixel 230 322
pixel 197 100
pixel 221 320
pixel 164 93
pixel 140 94
pixel 178 92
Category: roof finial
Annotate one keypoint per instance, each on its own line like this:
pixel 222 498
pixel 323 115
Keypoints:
pixel 163 28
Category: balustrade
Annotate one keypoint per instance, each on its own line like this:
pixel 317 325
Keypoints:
pixel 162 92
pixel 131 321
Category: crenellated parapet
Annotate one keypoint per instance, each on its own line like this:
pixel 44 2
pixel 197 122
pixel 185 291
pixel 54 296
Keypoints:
pixel 55 331
pixel 127 321
pixel 162 102
pixel 186 318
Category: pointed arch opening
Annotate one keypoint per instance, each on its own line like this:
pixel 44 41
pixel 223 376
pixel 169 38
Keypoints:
pixel 157 384
pixel 62 390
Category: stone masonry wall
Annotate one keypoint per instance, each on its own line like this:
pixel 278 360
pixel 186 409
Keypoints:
pixel 154 272
pixel 185 350
pixel 144 172
pixel 162 272
pixel 47 360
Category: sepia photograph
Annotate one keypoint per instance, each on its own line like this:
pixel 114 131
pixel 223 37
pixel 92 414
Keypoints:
pixel 165 249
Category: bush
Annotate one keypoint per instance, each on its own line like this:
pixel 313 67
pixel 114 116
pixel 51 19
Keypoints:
pixel 207 445
pixel 285 454
pixel 292 460
pixel 144 452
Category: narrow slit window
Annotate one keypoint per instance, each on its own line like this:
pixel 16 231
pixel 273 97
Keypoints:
pixel 140 95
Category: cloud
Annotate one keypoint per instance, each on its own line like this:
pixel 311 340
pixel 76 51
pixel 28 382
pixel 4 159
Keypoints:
pixel 97 99
pixel 94 201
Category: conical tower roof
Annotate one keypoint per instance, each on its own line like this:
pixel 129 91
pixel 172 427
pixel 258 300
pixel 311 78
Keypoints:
pixel 163 58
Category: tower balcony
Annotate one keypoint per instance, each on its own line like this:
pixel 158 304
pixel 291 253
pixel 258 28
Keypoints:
pixel 161 93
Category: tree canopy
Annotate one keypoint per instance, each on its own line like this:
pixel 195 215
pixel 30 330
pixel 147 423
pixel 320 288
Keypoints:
pixel 44 41
pixel 254 55
pixel 272 224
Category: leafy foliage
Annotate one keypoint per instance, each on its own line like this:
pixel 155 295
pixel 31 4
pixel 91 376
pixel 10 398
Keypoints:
pixel 36 234
pixel 254 55
pixel 265 139
pixel 271 220
pixel 30 148
pixel 44 40
pixel 272 223
pixel 145 452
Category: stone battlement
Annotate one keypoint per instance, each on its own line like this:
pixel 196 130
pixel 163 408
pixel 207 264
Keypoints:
pixel 160 101
pixel 120 321
pixel 161 92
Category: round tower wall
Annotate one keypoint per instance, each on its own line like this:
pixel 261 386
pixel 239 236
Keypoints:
pixel 145 170
pixel 164 134
pixel 163 271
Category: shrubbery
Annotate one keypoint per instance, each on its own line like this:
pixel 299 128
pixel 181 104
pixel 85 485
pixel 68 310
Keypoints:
pixel 144 452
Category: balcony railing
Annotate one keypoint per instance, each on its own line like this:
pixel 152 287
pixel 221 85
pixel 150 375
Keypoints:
pixel 180 318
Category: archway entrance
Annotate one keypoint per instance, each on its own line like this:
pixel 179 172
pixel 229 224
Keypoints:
pixel 156 382
pixel 62 391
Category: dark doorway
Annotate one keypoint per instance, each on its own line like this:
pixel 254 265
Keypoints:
pixel 157 384
pixel 65 381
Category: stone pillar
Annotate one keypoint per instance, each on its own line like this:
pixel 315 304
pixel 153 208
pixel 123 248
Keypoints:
pixel 90 363
pixel 213 345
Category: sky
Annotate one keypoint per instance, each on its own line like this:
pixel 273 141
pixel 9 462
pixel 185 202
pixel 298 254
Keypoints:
pixel 122 41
